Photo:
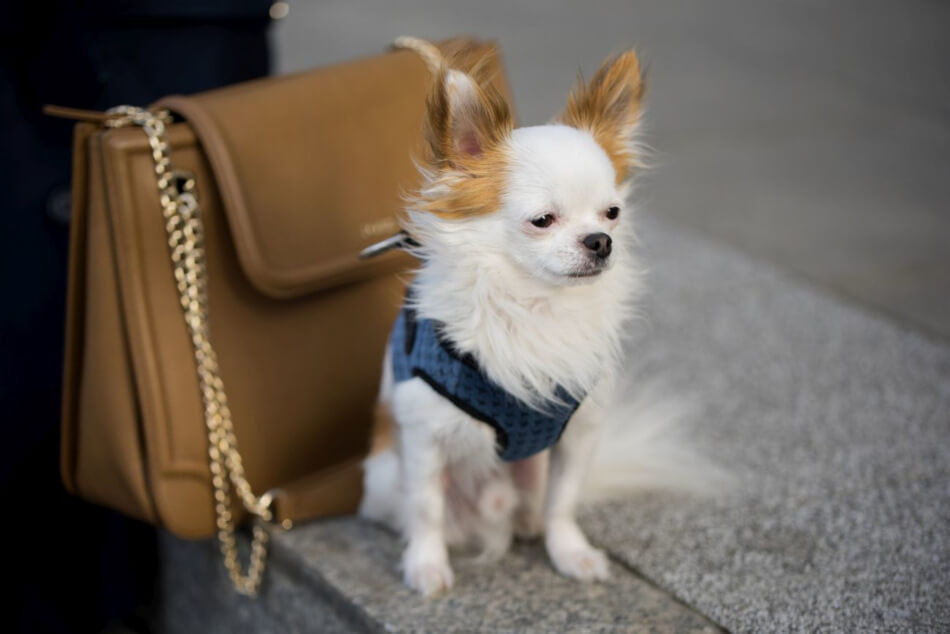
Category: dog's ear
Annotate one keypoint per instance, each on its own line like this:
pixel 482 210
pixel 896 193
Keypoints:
pixel 609 107
pixel 466 128
pixel 464 119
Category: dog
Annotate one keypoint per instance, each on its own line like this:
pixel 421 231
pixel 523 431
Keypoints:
pixel 502 361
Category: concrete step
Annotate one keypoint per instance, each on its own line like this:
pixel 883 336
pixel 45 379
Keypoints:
pixel 342 576
pixel 834 423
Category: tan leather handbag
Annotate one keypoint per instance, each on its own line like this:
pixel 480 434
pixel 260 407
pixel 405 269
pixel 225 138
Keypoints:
pixel 223 250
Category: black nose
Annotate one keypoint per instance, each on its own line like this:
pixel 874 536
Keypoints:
pixel 599 243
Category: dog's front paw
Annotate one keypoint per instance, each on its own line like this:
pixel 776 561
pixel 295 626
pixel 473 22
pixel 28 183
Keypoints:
pixel 573 556
pixel 584 563
pixel 427 571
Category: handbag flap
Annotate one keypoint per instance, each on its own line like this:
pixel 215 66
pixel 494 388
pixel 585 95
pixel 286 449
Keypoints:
pixel 314 167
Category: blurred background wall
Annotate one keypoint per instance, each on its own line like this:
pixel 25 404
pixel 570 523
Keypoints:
pixel 812 134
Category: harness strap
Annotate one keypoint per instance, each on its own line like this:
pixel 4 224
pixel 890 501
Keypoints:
pixel 418 350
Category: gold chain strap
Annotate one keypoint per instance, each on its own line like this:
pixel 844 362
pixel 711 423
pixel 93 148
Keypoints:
pixel 186 243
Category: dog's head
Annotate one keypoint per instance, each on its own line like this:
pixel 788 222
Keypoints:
pixel 549 198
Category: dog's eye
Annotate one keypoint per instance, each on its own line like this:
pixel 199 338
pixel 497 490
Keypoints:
pixel 543 221
pixel 613 212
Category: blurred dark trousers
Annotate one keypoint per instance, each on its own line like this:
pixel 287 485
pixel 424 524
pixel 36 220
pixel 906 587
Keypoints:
pixel 74 567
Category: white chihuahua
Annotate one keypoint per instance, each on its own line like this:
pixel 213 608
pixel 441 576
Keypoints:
pixel 510 336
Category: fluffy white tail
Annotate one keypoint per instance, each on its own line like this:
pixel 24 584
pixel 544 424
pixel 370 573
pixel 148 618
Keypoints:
pixel 647 445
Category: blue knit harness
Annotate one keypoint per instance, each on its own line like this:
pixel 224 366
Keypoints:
pixel 418 350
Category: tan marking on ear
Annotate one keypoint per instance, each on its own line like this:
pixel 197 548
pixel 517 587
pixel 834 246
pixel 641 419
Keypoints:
pixel 466 156
pixel 609 107
pixel 384 429
pixel 471 188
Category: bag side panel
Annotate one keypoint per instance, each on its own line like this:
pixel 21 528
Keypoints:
pixel 75 304
pixel 109 467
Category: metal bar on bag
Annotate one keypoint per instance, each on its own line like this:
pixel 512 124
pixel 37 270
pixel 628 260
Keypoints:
pixel 401 240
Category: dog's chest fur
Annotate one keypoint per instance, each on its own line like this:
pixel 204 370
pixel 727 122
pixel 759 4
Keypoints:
pixel 527 337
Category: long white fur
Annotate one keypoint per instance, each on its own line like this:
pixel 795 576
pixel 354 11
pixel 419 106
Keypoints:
pixel 505 293
pixel 649 444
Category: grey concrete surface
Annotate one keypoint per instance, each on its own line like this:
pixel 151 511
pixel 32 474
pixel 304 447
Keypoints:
pixel 813 134
pixel 195 596
pixel 521 593
pixel 342 576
